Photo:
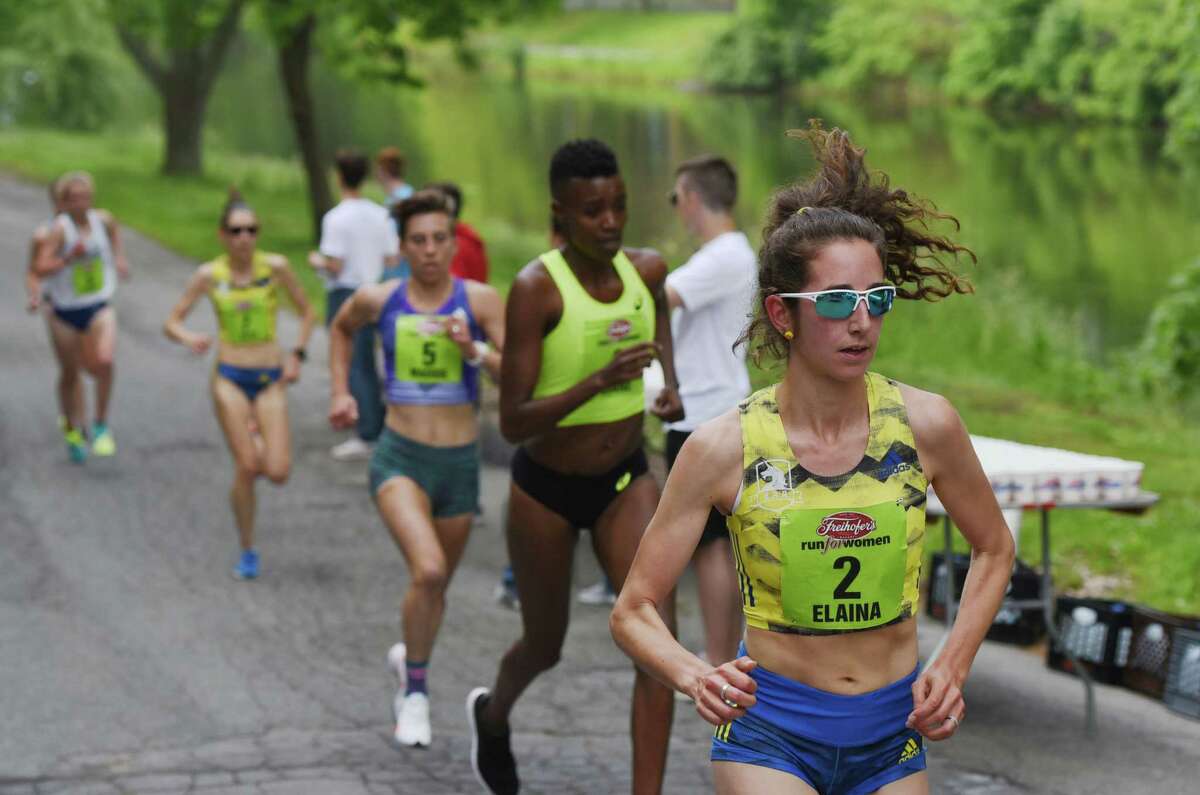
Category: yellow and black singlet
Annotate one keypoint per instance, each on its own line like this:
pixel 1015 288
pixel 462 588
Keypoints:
pixel 820 555
pixel 245 313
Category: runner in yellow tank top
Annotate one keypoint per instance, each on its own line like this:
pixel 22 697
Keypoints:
pixel 248 381
pixel 583 321
pixel 823 479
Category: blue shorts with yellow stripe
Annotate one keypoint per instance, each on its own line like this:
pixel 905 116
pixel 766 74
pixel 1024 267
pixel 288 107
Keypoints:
pixel 838 745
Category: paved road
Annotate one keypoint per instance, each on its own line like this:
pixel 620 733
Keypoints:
pixel 131 662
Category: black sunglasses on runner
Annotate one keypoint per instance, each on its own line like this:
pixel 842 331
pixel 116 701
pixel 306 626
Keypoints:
pixel 237 230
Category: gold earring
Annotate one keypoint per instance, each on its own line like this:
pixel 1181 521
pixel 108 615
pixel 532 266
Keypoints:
pixel 787 335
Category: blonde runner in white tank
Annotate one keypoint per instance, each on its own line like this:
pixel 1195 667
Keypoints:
pixel 89 279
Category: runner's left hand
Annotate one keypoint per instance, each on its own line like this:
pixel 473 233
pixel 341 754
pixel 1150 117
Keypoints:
pixel 459 332
pixel 122 269
pixel 937 694
pixel 343 411
pixel 668 405
pixel 291 369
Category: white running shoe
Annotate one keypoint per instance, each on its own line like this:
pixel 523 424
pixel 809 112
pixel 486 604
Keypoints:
pixel 395 658
pixel 412 722
pixel 353 449
pixel 598 595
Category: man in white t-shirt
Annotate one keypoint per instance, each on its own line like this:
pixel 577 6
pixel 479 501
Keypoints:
pixel 358 240
pixel 710 297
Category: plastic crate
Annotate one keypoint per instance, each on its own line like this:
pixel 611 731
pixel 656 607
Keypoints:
pixel 1098 632
pixel 1182 690
pixel 1150 649
pixel 1011 625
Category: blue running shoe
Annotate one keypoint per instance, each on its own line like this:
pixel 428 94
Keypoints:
pixel 77 448
pixel 247 565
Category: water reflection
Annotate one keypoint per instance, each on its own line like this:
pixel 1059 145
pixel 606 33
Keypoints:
pixel 1091 218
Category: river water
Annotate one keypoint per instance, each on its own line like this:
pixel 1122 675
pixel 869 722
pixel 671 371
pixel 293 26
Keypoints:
pixel 1086 220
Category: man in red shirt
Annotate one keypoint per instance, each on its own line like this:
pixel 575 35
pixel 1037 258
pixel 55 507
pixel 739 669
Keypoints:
pixel 470 260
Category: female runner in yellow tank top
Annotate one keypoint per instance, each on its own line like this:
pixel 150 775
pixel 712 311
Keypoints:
pixel 823 477
pixel 248 383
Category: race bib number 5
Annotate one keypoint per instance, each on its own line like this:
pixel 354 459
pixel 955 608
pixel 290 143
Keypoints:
pixel 88 277
pixel 424 354
pixel 843 570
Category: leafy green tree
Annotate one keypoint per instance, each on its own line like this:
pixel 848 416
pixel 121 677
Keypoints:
pixel 769 44
pixel 366 39
pixel 179 45
pixel 53 69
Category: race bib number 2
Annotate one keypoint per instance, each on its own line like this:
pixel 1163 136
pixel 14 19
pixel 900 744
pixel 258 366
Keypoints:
pixel 843 570
pixel 88 277
pixel 251 322
pixel 424 354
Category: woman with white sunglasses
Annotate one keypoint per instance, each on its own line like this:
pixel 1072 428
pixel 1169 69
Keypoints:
pixel 244 285
pixel 823 478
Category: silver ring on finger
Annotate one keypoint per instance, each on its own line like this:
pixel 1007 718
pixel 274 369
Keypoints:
pixel 957 722
pixel 728 701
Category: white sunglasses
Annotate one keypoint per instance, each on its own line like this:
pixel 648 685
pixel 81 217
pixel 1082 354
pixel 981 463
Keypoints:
pixel 841 304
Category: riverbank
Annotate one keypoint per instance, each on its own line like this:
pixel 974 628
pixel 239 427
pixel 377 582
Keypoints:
pixel 1011 361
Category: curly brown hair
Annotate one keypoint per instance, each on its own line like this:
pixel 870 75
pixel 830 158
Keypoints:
pixel 846 201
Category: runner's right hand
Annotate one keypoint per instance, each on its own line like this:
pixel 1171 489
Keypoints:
pixel 707 691
pixel 199 344
pixel 627 364
pixel 343 411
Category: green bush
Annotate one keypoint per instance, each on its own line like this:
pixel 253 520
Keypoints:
pixel 768 47
pixel 1169 357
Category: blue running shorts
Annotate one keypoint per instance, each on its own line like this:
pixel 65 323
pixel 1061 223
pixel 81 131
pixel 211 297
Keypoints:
pixel 838 745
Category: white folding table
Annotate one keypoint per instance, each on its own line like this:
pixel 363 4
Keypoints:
pixel 1028 477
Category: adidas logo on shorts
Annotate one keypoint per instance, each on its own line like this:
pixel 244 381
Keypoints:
pixel 911 750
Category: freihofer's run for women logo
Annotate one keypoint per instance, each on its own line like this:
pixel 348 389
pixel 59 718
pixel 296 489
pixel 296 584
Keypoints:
pixel 619 329
pixel 846 529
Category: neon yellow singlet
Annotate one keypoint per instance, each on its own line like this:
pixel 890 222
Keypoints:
pixel 246 314
pixel 820 555
pixel 588 334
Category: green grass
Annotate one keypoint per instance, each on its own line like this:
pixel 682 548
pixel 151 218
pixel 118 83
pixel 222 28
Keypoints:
pixel 1011 362
pixel 180 213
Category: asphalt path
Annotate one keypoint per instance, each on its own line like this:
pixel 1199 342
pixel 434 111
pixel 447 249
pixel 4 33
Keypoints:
pixel 131 661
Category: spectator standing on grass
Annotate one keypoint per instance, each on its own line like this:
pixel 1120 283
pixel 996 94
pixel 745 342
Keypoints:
pixel 389 170
pixel 390 166
pixel 358 240
pixel 470 258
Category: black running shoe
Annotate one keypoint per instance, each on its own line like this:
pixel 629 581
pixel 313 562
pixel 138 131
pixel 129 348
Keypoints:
pixel 491 755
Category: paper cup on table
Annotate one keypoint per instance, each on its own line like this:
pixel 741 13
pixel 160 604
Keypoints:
pixel 1133 488
pixel 1003 486
pixel 1022 488
pixel 1047 490
pixel 1073 487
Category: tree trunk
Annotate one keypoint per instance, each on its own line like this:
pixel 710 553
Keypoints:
pixel 183 75
pixel 183 114
pixel 295 52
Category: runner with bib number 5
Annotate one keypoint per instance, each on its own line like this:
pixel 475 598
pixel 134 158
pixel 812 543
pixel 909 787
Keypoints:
pixel 425 468
pixel 823 478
